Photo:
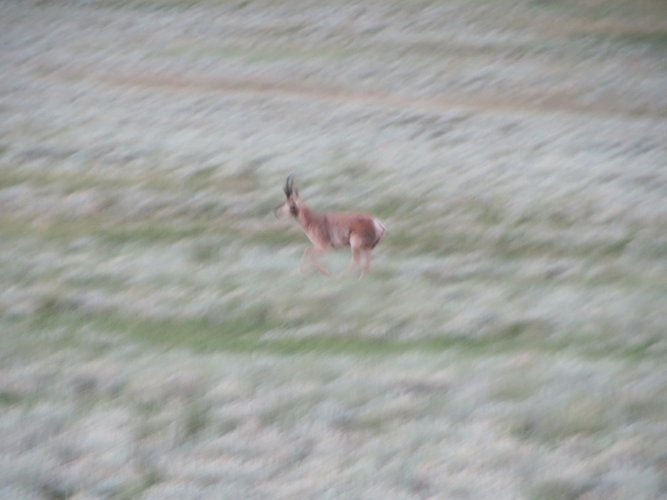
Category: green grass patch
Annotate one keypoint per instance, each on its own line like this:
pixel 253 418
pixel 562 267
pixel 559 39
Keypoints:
pixel 557 489
pixel 196 418
pixel 614 10
pixel 9 398
pixel 246 333
pixel 106 229
pixel 656 40
pixel 70 182
pixel 582 417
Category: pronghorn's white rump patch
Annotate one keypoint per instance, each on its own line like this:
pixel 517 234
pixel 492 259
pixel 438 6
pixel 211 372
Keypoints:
pixel 379 230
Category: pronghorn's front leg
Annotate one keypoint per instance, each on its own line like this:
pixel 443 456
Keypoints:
pixel 313 253
pixel 355 245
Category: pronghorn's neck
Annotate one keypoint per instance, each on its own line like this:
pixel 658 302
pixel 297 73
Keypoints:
pixel 306 217
pixel 314 225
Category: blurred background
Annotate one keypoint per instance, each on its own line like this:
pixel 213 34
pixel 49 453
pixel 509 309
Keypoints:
pixel 156 337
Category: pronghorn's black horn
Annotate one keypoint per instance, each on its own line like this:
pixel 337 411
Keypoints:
pixel 289 184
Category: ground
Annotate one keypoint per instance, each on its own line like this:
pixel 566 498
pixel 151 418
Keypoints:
pixel 158 340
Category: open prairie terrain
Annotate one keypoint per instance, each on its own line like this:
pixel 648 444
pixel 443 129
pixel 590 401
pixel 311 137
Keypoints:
pixel 156 338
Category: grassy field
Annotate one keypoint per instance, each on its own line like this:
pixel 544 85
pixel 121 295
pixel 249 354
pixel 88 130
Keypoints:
pixel 157 339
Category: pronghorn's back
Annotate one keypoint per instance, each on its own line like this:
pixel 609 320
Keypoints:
pixel 343 226
pixel 361 232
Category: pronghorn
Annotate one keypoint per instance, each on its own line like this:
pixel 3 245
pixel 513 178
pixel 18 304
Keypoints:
pixel 358 231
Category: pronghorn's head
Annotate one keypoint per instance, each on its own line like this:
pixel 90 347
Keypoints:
pixel 293 203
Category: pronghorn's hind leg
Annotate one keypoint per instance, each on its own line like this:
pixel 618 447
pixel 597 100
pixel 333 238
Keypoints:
pixel 368 256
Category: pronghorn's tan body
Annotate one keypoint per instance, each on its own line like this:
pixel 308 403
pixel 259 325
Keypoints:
pixel 360 232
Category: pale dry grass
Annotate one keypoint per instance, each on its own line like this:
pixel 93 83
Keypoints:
pixel 158 341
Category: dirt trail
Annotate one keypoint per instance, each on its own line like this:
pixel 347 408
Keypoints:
pixel 555 102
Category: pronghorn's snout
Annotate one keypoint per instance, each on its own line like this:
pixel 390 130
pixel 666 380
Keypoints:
pixel 281 211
